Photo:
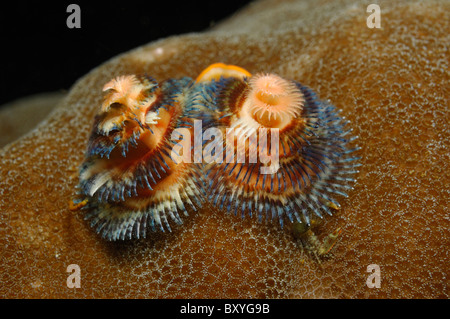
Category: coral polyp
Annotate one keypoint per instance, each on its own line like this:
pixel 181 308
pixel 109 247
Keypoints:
pixel 301 158
pixel 128 175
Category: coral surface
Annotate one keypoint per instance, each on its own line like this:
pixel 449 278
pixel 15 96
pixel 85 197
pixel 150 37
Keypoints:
pixel 20 116
pixel 391 83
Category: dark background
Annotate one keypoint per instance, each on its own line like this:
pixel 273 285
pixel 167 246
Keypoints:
pixel 41 54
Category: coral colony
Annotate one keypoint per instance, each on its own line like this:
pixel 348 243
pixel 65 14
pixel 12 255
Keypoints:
pixel 249 144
